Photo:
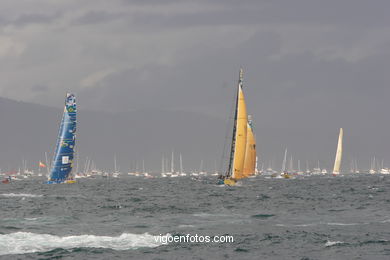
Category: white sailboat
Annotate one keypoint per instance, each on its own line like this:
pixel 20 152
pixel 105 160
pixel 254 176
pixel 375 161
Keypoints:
pixel 173 173
pixel 373 166
pixel 339 154
pixel 215 169
pixel 284 173
pixel 201 172
pixel 163 168
pixel 116 173
pixel 307 167
pixel 317 170
pixel 299 172
pixel 182 173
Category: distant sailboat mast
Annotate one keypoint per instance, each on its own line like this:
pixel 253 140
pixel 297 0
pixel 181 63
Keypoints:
pixel 284 161
pixel 115 169
pixel 162 165
pixel 181 165
pixel 172 164
pixel 48 165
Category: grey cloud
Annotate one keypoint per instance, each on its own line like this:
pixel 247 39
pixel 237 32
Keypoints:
pixel 31 18
pixel 300 81
pixel 39 88
pixel 94 17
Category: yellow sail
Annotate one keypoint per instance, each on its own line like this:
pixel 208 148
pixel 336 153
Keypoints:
pixel 241 136
pixel 339 154
pixel 250 154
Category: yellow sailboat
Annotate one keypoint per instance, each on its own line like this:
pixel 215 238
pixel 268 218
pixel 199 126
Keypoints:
pixel 243 148
pixel 250 153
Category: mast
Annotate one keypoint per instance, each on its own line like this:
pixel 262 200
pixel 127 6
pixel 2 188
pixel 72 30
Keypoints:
pixel 236 165
pixel 162 165
pixel 114 163
pixel 47 165
pixel 307 167
pixel 181 165
pixel 284 161
pixel 229 172
pixel 172 163
pixel 299 165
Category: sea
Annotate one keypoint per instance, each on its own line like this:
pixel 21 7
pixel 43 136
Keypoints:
pixel 307 217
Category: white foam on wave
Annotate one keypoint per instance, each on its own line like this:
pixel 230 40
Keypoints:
pixel 333 243
pixel 322 223
pixel 296 225
pixel 186 226
pixel 21 195
pixel 26 242
pixel 345 224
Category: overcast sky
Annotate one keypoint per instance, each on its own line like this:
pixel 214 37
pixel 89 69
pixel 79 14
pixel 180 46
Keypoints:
pixel 307 64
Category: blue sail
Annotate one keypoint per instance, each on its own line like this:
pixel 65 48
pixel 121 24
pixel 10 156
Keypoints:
pixel 63 158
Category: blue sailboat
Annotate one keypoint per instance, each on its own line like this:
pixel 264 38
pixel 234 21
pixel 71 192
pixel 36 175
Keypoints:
pixel 63 158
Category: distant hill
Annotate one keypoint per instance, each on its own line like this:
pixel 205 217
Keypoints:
pixel 29 130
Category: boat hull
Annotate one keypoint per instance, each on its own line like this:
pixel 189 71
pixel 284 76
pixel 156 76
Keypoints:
pixel 229 182
pixel 61 182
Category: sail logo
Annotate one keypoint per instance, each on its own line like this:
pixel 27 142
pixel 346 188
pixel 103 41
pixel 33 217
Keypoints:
pixel 65 159
pixel 70 100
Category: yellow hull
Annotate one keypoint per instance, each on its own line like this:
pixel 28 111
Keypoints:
pixel 70 181
pixel 229 182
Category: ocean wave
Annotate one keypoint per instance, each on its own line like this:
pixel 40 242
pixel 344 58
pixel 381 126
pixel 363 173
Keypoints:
pixel 26 242
pixel 322 223
pixel 296 225
pixel 345 224
pixel 333 243
pixel 21 195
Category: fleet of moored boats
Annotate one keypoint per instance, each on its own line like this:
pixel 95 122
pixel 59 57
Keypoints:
pixel 242 162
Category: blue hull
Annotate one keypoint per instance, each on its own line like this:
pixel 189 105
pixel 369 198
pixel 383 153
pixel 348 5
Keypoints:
pixel 55 182
pixel 220 182
pixel 61 181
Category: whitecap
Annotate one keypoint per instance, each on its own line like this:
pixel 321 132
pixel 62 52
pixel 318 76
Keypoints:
pixel 21 195
pixel 186 226
pixel 344 224
pixel 333 243
pixel 26 242
pixel 296 225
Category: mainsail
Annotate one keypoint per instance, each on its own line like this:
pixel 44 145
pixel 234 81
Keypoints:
pixel 63 158
pixel 339 154
pixel 238 148
pixel 250 153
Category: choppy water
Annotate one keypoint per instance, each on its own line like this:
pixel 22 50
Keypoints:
pixel 345 217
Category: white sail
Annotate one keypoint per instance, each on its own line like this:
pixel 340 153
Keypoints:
pixel 339 154
pixel 284 161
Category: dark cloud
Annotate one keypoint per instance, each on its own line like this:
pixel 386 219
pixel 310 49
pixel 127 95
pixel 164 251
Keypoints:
pixel 310 66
